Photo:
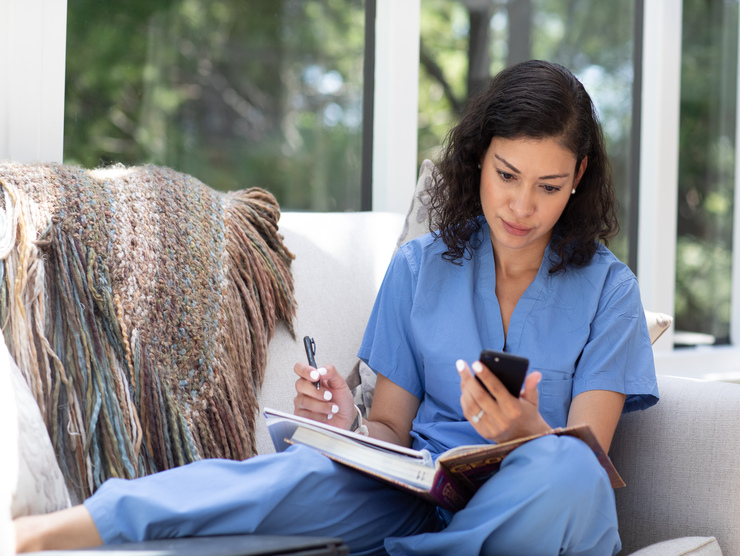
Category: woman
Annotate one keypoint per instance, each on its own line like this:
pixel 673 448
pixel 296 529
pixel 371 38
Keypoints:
pixel 524 196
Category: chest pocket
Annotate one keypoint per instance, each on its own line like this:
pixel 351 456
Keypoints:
pixel 555 392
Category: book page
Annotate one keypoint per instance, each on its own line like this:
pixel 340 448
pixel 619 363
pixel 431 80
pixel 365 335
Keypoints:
pixel 474 464
pixel 273 414
pixel 380 463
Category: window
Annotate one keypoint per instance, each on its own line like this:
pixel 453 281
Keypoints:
pixel 706 174
pixel 464 43
pixel 264 93
pixel 31 108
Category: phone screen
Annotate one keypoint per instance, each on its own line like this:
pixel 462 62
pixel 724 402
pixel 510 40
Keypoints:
pixel 509 369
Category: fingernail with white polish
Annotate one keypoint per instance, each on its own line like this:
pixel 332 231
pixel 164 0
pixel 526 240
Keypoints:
pixel 327 395
pixel 460 364
pixel 330 416
pixel 314 375
pixel 477 367
pixel 335 408
pixel 322 371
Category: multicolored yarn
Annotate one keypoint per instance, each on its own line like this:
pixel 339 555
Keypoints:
pixel 139 303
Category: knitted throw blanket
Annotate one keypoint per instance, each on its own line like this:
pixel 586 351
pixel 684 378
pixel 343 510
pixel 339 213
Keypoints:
pixel 139 303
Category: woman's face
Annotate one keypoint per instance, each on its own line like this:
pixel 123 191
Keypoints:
pixel 525 185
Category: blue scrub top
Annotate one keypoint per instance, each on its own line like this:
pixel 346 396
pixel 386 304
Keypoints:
pixel 583 329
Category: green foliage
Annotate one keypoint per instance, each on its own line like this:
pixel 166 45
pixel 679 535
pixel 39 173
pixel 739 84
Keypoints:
pixel 262 93
pixel 706 167
pixel 444 39
pixel 702 287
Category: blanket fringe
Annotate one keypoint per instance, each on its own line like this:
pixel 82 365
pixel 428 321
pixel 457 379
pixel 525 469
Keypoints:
pixel 129 387
pixel 260 286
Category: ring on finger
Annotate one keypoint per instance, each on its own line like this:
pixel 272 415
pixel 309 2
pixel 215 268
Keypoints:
pixel 477 417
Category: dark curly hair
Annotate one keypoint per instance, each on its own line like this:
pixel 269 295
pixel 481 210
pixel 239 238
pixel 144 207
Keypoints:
pixel 534 100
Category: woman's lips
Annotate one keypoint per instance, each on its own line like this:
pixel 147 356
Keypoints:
pixel 515 229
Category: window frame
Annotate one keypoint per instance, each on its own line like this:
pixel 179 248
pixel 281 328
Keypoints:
pixel 659 140
pixel 396 104
pixel 32 57
pixel 659 132
pixel 33 38
pixel 735 295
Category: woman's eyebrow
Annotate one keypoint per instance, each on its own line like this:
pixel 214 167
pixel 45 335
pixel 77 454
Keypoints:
pixel 512 168
pixel 548 177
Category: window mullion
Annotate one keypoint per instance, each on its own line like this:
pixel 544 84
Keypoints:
pixel 735 279
pixel 395 126
pixel 661 87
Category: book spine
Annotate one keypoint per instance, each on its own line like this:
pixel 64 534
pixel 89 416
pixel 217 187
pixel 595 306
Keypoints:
pixel 447 492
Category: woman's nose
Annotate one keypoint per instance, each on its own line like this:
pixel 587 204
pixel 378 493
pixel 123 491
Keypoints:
pixel 522 202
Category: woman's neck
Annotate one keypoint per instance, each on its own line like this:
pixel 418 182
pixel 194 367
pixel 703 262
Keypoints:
pixel 516 269
pixel 517 263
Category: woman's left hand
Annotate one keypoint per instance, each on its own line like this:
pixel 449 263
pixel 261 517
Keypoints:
pixel 498 415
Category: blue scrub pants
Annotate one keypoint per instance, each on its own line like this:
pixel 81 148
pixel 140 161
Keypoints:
pixel 551 496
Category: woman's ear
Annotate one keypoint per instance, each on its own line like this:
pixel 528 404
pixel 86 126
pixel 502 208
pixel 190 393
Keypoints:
pixel 581 171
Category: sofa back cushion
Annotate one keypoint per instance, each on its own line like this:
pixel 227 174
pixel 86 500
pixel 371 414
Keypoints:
pixel 30 471
pixel 340 261
pixel 680 460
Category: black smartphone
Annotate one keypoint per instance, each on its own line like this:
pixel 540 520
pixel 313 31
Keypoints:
pixel 509 369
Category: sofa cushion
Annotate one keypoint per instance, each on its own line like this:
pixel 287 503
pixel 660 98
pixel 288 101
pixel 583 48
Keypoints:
pixel 685 546
pixel 39 486
pixel 416 222
pixel 680 460
pixel 9 460
pixel 657 324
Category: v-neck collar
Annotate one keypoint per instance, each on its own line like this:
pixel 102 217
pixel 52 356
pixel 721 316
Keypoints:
pixel 487 285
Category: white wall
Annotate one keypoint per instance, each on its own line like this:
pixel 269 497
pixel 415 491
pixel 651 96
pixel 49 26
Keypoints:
pixel 32 65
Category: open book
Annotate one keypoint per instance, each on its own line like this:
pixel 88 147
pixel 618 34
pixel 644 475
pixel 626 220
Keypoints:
pixel 450 482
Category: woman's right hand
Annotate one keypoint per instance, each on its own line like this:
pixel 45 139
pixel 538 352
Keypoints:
pixel 493 411
pixel 331 403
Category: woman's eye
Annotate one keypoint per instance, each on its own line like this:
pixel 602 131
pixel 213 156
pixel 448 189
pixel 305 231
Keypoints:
pixel 550 188
pixel 505 176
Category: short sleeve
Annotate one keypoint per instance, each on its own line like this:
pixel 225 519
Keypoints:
pixel 388 347
pixel 618 355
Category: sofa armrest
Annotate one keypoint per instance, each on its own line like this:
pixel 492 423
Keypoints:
pixel 680 461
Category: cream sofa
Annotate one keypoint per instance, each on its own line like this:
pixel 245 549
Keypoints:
pixel 679 459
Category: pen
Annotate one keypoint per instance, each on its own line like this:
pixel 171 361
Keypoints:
pixel 310 346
